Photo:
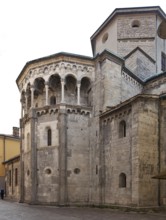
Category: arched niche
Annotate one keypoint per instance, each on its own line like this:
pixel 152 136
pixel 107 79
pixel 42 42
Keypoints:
pixel 39 91
pixel 28 94
pixel 23 102
pixel 71 89
pixel 54 83
pixel 85 91
pixel 162 30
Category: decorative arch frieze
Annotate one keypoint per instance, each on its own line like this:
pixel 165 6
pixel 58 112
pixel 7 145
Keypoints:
pixel 67 82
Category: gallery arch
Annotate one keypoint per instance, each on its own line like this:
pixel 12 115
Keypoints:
pixel 38 91
pixel 55 90
pixel 85 91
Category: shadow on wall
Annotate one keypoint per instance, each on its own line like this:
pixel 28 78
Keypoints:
pixel 162 30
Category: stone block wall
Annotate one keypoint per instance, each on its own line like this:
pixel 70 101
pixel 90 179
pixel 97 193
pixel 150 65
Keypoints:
pixel 162 162
pixel 47 159
pixel 111 84
pixel 94 189
pixel 114 86
pixel 156 86
pixel 129 86
pixel 145 151
pixel 130 37
pixel 146 26
pixel 78 158
pixel 125 46
pixel 133 156
pixel 116 159
pixel 141 65
pixel 27 162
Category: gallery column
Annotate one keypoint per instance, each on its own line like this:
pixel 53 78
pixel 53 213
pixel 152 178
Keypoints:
pixel 62 155
pixel 32 96
pixel 46 86
pixel 62 90
pixel 33 156
pixel 78 93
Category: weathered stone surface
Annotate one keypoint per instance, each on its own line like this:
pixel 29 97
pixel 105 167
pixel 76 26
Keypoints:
pixel 93 129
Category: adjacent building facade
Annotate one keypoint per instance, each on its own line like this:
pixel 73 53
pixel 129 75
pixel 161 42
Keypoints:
pixel 9 177
pixel 92 128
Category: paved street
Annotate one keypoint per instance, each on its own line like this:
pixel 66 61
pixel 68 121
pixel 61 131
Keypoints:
pixel 16 211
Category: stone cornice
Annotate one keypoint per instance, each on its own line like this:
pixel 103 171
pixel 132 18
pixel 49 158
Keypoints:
pixel 155 81
pixel 127 103
pixel 60 67
pixel 52 59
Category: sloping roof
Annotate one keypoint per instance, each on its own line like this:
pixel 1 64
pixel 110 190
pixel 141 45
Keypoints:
pixel 155 76
pixel 110 54
pixel 111 109
pixel 10 136
pixel 142 51
pixel 12 159
pixel 50 57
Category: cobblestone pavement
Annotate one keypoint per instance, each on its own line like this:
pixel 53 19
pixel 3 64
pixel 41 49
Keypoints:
pixel 18 211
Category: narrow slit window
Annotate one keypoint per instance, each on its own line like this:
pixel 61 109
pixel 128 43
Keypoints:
pixel 122 129
pixel 10 177
pixel 16 177
pixel 49 137
pixel 163 61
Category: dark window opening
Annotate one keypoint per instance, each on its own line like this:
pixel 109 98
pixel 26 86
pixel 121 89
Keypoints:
pixel 122 129
pixel 135 24
pixel 96 169
pixel 48 171
pixel 49 137
pixel 163 61
pixel 53 100
pixel 122 180
pixel 76 170
pixel 10 177
pixel 16 177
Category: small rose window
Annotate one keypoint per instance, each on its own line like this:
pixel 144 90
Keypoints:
pixel 76 170
pixel 48 171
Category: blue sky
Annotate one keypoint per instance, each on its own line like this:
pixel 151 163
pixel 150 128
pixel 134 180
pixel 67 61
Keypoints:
pixel 36 28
